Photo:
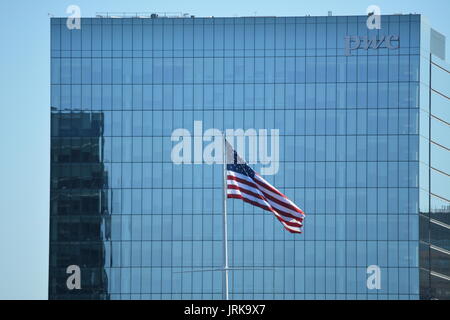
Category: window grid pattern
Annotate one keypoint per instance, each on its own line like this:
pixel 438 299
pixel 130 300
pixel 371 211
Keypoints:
pixel 348 155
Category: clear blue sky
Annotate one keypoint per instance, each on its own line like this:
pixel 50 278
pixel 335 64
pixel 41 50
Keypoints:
pixel 24 119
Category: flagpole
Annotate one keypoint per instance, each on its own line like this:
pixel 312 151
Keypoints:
pixel 225 224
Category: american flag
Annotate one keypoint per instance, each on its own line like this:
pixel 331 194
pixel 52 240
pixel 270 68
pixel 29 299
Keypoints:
pixel 244 183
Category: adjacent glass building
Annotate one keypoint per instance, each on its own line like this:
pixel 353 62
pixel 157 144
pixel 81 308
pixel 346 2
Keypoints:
pixel 364 122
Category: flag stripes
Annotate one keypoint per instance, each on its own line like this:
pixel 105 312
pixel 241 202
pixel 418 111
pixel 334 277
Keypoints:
pixel 258 192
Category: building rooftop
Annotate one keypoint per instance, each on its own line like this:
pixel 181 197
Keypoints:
pixel 178 15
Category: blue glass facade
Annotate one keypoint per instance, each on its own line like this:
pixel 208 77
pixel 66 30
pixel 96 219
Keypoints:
pixel 353 155
pixel 434 150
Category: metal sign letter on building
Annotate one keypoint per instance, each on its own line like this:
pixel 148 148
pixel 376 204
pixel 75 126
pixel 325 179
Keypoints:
pixel 354 43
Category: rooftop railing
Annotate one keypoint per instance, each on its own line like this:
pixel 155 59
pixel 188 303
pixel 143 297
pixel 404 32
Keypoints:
pixel 151 15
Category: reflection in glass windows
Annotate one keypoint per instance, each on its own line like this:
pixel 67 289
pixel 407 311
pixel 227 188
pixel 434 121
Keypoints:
pixel 350 155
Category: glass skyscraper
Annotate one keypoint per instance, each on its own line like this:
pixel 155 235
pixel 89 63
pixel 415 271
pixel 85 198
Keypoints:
pixel 364 123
